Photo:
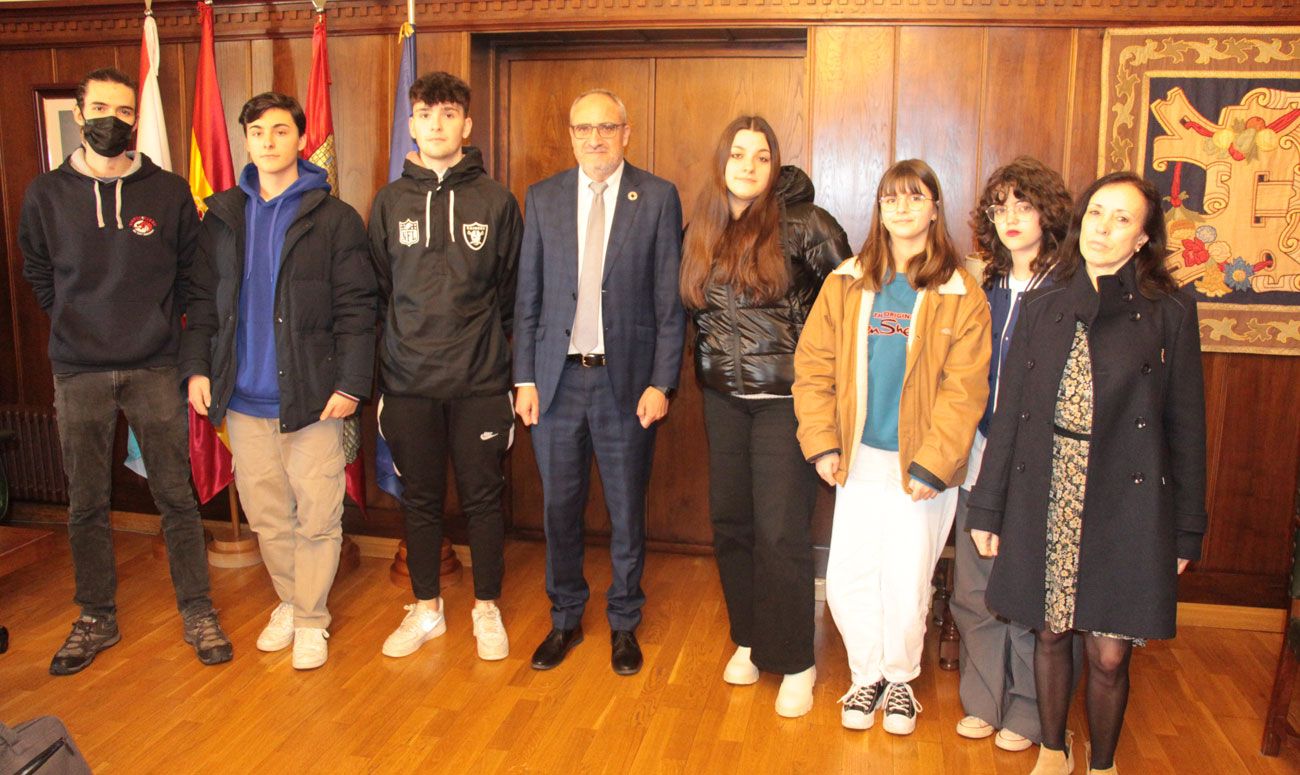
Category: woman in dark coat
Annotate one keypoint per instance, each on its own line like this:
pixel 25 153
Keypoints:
pixel 1092 491
pixel 754 259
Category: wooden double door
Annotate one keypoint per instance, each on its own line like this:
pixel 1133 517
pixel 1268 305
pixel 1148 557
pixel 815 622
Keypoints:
pixel 678 99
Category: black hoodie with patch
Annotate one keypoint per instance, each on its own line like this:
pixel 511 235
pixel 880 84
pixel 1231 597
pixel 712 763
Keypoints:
pixel 446 253
pixel 109 261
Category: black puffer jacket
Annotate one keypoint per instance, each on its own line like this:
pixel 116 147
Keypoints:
pixel 746 347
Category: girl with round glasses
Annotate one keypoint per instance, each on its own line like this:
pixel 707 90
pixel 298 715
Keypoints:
pixel 891 377
pixel 1092 490
pixel 1019 223
pixel 756 253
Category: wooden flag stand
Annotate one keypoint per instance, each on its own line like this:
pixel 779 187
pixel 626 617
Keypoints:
pixel 450 572
pixel 236 546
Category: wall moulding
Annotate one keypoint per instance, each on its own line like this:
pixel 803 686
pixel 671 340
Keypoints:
pixel 98 22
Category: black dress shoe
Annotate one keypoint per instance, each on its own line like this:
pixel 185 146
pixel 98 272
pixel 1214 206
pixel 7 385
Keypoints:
pixel 557 644
pixel 625 652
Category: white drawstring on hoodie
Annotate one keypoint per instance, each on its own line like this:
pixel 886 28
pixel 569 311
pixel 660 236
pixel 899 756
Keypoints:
pixel 428 221
pixel 99 204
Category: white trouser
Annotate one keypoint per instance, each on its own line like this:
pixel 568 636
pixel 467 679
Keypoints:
pixel 883 551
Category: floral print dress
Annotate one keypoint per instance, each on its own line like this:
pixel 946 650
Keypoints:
pixel 1073 429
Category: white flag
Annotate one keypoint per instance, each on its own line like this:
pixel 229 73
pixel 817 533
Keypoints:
pixel 151 129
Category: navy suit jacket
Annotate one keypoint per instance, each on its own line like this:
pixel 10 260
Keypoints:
pixel 644 323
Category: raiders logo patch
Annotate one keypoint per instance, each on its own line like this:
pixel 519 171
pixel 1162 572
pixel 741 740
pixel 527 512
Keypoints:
pixel 143 225
pixel 408 232
pixel 475 234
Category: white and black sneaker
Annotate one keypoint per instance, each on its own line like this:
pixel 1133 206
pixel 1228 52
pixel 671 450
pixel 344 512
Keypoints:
pixel 901 708
pixel 859 711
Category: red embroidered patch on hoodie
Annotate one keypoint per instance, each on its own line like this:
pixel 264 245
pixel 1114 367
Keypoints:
pixel 143 225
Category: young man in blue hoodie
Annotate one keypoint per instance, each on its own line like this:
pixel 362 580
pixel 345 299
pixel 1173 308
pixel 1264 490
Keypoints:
pixel 280 345
pixel 108 239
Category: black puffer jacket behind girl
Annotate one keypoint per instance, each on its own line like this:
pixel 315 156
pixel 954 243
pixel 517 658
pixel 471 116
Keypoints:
pixel 745 347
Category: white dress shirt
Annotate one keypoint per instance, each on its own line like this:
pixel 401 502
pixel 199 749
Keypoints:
pixel 585 197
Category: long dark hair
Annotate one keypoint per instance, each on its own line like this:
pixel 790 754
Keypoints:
pixel 743 252
pixel 1039 185
pixel 1153 277
pixel 924 270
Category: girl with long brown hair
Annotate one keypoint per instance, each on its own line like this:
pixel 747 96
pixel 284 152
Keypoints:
pixel 756 253
pixel 891 379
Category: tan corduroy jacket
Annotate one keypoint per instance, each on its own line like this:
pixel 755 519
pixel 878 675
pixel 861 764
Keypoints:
pixel 945 384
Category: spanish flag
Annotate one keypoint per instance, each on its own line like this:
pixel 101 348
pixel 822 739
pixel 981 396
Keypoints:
pixel 210 171
pixel 210 167
pixel 319 150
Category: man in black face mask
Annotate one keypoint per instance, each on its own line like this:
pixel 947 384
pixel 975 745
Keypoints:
pixel 108 239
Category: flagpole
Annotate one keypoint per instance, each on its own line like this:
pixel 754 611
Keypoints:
pixel 410 12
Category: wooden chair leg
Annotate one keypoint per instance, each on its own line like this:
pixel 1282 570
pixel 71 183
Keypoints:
pixel 949 637
pixel 1276 726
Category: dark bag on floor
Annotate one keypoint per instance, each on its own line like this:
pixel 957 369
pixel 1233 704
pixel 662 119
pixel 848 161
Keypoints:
pixel 41 746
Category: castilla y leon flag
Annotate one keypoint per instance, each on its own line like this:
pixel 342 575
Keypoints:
pixel 210 171
pixel 319 150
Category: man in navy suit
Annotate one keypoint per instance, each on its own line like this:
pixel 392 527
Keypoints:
pixel 598 346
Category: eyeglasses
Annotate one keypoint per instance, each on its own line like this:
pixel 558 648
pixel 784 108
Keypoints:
pixel 997 213
pixel 606 131
pixel 907 202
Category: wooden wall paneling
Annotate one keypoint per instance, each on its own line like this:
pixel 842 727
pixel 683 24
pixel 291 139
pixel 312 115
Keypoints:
pixel 536 137
pixel 234 62
pixel 31 326
pixel 852 122
pixel 58 22
pixel 852 126
pixel 937 115
pixel 694 99
pixel 1026 100
pixel 1080 164
pixel 70 64
pixel 175 83
pixel 446 51
pixel 1254 444
pixel 361 102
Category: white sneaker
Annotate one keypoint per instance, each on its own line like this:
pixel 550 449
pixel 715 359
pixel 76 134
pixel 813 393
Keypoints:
pixel 490 633
pixel 974 728
pixel 901 708
pixel 420 626
pixel 278 633
pixel 740 670
pixel 795 697
pixel 1011 741
pixel 309 649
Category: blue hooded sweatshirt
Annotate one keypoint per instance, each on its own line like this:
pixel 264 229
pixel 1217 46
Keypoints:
pixel 257 386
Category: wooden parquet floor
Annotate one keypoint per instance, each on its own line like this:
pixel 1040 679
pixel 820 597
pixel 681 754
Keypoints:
pixel 147 706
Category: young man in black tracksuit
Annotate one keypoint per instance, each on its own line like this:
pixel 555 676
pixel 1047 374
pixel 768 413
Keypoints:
pixel 445 243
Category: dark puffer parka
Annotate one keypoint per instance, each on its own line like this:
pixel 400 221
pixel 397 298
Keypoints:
pixel 745 347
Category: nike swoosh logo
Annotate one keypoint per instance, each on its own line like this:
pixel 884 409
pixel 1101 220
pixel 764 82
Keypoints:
pixel 487 435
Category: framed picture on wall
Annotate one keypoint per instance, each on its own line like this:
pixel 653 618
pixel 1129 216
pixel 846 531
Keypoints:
pixel 57 133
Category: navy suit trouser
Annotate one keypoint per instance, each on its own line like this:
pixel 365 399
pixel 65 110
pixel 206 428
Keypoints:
pixel 584 417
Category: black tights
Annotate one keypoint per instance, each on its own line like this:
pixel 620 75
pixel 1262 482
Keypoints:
pixel 1107 696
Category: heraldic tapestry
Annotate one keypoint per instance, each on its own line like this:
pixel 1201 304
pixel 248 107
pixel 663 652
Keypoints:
pixel 1212 117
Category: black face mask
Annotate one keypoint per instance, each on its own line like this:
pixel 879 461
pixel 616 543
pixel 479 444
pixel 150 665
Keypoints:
pixel 107 136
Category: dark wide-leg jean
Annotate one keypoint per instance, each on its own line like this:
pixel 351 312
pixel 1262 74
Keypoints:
pixel 761 497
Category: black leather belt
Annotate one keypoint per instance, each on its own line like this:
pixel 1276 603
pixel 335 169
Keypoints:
pixel 1069 434
pixel 587 361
